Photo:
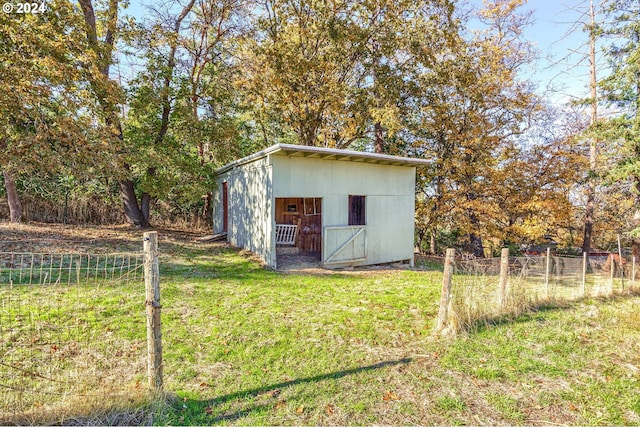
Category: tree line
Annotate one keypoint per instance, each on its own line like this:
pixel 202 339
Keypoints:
pixel 103 102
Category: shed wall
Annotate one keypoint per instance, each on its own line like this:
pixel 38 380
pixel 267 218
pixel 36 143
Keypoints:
pixel 250 208
pixel 389 191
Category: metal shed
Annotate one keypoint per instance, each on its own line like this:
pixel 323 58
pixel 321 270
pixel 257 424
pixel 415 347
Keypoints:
pixel 346 208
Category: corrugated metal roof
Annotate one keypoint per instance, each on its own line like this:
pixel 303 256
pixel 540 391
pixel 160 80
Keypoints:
pixel 326 153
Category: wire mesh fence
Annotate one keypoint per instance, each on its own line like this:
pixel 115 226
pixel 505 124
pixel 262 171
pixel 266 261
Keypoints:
pixel 72 331
pixel 484 289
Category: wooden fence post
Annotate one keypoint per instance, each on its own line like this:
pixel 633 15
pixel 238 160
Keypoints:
pixel 633 270
pixel 504 277
pixel 154 332
pixel 584 273
pixel 612 275
pixel 547 270
pixel 445 297
pixel 620 264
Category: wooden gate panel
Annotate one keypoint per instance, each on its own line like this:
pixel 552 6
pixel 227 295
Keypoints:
pixel 344 245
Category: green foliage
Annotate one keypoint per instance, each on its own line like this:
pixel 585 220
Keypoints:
pixel 329 75
pixel 621 89
pixel 46 107
pixel 217 81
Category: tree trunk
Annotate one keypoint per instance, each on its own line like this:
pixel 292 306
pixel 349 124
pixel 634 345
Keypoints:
pixel 208 208
pixel 432 242
pixel 635 249
pixel 475 241
pixel 635 243
pixel 132 211
pixel 145 208
pixel 378 144
pixel 103 57
pixel 475 245
pixel 591 185
pixel 588 218
pixel 15 207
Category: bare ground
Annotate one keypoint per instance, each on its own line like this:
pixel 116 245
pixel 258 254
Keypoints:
pixel 56 238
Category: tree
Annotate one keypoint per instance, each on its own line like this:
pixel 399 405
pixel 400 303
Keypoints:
pixel 336 74
pixel 300 64
pixel 621 89
pixel 150 107
pixel 181 116
pixel 591 185
pixel 101 39
pixel 471 106
pixel 539 179
pixel 46 111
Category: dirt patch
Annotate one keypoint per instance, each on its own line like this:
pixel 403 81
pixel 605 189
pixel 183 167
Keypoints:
pixel 296 264
pixel 58 238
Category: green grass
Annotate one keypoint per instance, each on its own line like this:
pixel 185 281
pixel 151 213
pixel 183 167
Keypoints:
pixel 273 344
pixel 248 346
pixel 281 349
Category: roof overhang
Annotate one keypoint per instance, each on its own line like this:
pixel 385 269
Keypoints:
pixel 326 154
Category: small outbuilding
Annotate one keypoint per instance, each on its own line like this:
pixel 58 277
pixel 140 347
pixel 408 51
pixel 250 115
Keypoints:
pixel 345 208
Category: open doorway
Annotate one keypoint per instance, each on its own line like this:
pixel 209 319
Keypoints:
pixel 298 230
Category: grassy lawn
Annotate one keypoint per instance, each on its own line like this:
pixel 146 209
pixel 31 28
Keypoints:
pixel 247 346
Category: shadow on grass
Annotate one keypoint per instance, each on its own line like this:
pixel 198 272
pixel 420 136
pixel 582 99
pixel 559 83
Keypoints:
pixel 194 411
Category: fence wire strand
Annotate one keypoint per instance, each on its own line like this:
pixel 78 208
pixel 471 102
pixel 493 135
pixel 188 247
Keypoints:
pixel 71 327
pixel 532 281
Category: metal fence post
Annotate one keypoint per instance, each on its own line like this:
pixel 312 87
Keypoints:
pixel 445 297
pixel 504 277
pixel 154 332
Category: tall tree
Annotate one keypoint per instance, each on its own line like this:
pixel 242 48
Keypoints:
pixel 337 73
pixel 101 38
pixel 473 107
pixel 593 101
pixel 152 94
pixel 177 121
pixel 621 89
pixel 300 65
pixel 46 111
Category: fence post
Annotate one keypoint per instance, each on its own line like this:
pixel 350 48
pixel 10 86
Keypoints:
pixel 504 276
pixel 612 275
pixel 620 264
pixel 445 296
pixel 546 274
pixel 154 333
pixel 584 273
pixel 633 271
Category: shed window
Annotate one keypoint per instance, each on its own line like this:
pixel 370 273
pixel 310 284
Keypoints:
pixel 356 210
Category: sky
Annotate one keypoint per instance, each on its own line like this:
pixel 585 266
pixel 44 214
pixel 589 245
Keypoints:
pixel 555 34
